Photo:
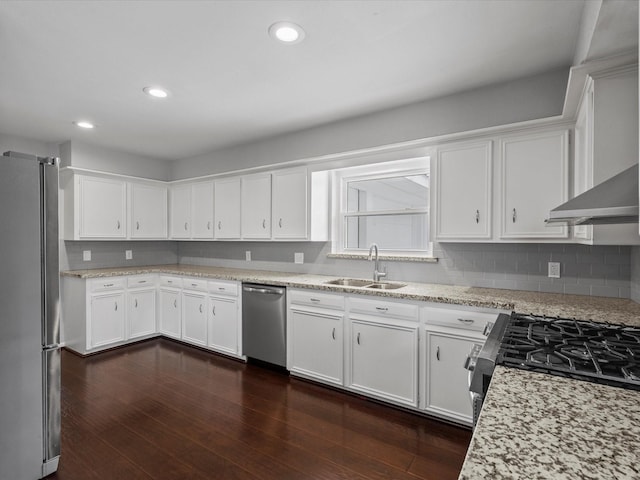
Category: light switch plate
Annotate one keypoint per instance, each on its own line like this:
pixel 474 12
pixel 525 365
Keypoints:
pixel 554 269
pixel 298 257
pixel 86 255
pixel 247 255
pixel 128 254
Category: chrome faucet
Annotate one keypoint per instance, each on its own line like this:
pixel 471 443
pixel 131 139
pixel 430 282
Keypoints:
pixel 377 274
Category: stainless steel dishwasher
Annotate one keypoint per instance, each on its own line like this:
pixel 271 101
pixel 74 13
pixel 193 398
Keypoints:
pixel 264 323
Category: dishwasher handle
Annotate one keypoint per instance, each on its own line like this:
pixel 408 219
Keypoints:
pixel 267 290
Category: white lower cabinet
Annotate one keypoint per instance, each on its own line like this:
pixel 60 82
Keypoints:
pixel 446 379
pixel 224 321
pixel 384 359
pixel 106 319
pixel 170 312
pixel 141 313
pixel 194 318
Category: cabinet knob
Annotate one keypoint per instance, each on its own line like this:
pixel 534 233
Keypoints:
pixel 514 215
pixel 438 353
pixel 137 225
pixel 333 333
pixel 200 308
pixel 118 224
pixel 219 225
pixel 280 223
pixel 264 223
pixel 115 307
pixel 136 303
pixel 477 216
pixel 208 225
pixel 186 226
pixel 358 338
pixel 175 303
pixel 213 310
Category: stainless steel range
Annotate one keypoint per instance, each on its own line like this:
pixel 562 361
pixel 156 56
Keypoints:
pixel 583 350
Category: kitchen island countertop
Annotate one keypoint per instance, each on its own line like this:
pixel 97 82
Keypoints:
pixel 602 309
pixel 541 426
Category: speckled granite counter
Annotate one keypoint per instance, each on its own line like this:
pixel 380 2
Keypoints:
pixel 552 304
pixel 539 426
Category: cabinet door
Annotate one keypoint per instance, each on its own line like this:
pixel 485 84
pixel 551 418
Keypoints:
pixel 290 204
pixel 181 211
pixel 106 323
pixel 223 325
pixel 447 391
pixel 102 208
pixel 194 318
pixel 170 313
pixel 316 345
pixel 141 313
pixel 256 206
pixel 227 208
pixel 202 210
pixel 148 211
pixel 463 192
pixel 534 179
pixel 384 361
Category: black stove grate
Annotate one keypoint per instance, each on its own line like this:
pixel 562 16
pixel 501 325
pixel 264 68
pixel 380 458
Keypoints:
pixel 585 350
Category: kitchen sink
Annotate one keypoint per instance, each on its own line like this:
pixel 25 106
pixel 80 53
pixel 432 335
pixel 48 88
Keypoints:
pixel 386 285
pixel 349 282
pixel 357 282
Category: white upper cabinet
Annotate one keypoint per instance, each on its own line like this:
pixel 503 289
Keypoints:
pixel 290 204
pixel 462 192
pixel 202 210
pixel 227 208
pixel 534 178
pixel 606 144
pixel 256 206
pixel 148 211
pixel 180 202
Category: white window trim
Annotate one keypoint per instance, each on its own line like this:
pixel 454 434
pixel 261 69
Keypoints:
pixel 401 167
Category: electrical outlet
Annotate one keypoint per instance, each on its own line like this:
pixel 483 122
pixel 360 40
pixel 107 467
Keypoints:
pixel 247 255
pixel 86 255
pixel 554 269
pixel 298 257
pixel 128 254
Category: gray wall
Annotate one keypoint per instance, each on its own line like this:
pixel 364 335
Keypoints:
pixel 530 98
pixel 635 274
pixel 112 254
pixel 27 145
pixel 586 270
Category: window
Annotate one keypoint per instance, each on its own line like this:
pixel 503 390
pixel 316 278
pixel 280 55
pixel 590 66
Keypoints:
pixel 386 204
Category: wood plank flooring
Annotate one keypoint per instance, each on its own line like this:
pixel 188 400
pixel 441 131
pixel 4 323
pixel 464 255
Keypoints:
pixel 162 410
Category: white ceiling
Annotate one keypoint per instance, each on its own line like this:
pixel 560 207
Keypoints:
pixel 230 82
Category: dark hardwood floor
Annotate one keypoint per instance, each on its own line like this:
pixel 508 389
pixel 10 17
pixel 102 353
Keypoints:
pixel 163 410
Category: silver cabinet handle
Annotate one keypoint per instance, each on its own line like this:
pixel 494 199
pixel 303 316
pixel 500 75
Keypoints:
pixel 118 224
pixel 200 308
pixel 175 304
pixel 137 225
pixel 315 300
pixel 142 281
pixel 186 225
pixel 115 306
pixel 514 215
pixel 208 225
pixel 136 303
pixel 358 338
pixel 280 223
pixel 382 309
pixel 264 223
pixel 438 353
pixel 194 284
pixel 333 334
pixel 466 320
pixel 214 310
pixel 477 216
pixel 219 225
pixel 108 285
pixel 222 289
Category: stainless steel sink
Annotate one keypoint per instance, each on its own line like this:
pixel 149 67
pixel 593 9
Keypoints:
pixel 386 285
pixel 349 282
pixel 357 282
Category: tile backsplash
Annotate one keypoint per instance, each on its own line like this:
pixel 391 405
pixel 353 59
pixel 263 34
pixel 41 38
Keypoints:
pixel 112 254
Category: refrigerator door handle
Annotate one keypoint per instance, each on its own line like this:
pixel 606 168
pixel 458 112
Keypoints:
pixel 50 260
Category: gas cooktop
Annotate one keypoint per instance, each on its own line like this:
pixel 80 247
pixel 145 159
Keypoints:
pixel 585 350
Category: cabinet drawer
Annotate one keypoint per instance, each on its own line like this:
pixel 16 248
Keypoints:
pixel 384 308
pixel 110 283
pixel 167 281
pixel 141 281
pixel 312 297
pixel 194 284
pixel 220 287
pixel 459 318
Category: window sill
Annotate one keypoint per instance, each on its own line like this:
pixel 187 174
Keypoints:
pixel 387 258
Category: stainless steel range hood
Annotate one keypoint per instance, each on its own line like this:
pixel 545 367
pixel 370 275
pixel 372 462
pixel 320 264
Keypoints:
pixel 613 201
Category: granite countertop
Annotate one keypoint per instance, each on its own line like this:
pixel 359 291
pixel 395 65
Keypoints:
pixel 540 426
pixel 603 309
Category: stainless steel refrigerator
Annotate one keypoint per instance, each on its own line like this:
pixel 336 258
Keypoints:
pixel 30 319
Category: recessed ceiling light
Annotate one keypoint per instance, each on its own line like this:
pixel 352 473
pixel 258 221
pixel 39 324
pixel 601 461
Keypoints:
pixel 287 32
pixel 84 124
pixel 156 92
